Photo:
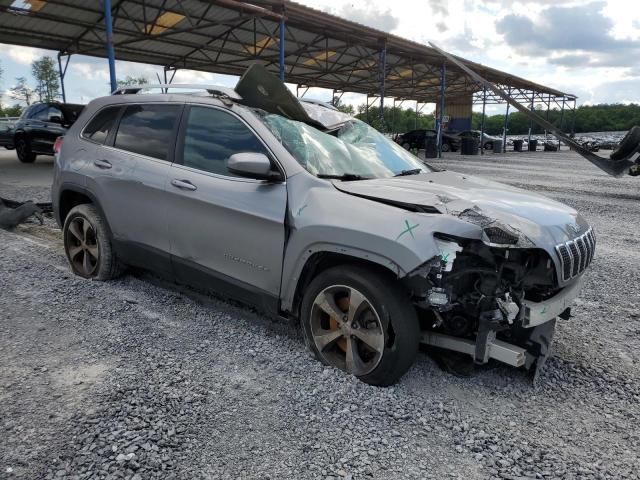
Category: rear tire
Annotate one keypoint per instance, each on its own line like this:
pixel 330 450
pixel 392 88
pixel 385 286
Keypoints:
pixel 376 309
pixel 88 246
pixel 23 149
pixel 406 145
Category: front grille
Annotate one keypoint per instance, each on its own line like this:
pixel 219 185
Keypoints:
pixel 576 255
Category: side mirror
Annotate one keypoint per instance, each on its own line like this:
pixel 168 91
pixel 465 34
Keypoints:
pixel 55 119
pixel 252 165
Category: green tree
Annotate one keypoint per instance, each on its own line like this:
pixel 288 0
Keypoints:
pixel 13 111
pixel 45 74
pixel 129 81
pixel 21 91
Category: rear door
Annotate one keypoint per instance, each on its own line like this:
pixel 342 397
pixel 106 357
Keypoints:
pixel 36 126
pixel 224 227
pixel 52 129
pixel 129 176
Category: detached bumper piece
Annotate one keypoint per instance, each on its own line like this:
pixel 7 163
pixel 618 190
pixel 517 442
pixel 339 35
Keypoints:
pixel 496 349
pixel 532 350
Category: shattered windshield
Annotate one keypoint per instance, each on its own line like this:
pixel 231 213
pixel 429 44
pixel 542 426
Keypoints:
pixel 356 151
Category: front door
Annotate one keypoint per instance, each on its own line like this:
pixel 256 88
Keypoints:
pixel 227 233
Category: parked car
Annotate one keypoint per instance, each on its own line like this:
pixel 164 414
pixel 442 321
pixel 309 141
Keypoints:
pixel 6 135
pixel 416 139
pixel 39 126
pixel 487 140
pixel 312 215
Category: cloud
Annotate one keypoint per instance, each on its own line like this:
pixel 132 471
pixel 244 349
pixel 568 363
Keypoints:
pixel 442 27
pixel 573 36
pixel 439 7
pixel 25 55
pixel 370 16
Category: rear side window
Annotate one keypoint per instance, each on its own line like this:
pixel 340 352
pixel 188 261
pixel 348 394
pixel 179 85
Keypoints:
pixel 39 112
pixel 148 129
pixel 212 136
pixel 101 124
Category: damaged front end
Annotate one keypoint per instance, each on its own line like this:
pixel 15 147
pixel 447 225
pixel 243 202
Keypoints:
pixel 496 298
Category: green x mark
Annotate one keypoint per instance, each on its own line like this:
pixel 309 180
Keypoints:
pixel 408 229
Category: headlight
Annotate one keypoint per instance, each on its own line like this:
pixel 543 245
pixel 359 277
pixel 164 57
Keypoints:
pixel 499 235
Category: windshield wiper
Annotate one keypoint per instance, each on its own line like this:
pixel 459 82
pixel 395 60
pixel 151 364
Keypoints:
pixel 404 173
pixel 346 177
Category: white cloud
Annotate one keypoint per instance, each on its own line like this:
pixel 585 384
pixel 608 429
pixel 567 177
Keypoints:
pixel 25 55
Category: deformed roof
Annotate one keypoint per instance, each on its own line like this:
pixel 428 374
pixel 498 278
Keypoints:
pixel 226 36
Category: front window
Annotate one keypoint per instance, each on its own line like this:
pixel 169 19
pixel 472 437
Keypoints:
pixel 356 149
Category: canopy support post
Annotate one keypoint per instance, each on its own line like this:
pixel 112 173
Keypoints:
pixel 506 126
pixel 111 55
pixel 561 121
pixel 484 104
pixel 62 72
pixel 443 87
pixel 533 96
pixel 383 74
pixel 281 49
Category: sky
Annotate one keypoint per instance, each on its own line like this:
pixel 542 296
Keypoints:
pixel 590 49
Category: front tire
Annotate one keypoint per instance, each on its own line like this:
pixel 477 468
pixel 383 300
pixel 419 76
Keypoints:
pixel 23 149
pixel 358 320
pixel 446 147
pixel 87 244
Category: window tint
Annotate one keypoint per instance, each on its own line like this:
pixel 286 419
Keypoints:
pixel 212 136
pixel 54 112
pixel 147 129
pixel 99 127
pixel 39 112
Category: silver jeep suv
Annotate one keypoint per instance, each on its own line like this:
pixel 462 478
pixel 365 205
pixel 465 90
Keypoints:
pixel 312 215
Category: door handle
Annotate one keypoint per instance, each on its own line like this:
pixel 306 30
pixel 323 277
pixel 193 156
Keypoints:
pixel 102 164
pixel 183 184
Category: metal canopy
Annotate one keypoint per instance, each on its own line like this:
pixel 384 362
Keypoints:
pixel 226 36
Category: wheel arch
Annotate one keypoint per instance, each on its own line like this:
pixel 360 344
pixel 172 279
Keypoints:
pixel 73 195
pixel 321 257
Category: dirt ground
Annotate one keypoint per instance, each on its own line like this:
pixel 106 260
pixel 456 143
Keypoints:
pixel 139 379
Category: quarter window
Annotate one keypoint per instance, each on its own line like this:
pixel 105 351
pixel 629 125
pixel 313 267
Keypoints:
pixel 212 136
pixel 147 129
pixel 40 112
pixel 99 127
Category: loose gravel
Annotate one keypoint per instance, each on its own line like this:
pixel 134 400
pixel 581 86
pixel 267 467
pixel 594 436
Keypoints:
pixel 139 379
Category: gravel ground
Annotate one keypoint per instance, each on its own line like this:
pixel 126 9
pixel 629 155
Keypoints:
pixel 137 379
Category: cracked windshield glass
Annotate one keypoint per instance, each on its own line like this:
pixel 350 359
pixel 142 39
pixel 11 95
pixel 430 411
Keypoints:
pixel 357 150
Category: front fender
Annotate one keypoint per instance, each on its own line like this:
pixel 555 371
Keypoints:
pixel 324 219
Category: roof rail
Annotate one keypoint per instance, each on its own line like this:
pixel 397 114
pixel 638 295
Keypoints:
pixel 214 90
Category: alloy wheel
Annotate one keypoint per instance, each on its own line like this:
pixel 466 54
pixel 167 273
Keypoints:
pixel 346 330
pixel 82 247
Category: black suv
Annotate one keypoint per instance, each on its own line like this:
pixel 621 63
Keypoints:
pixel 416 139
pixel 39 126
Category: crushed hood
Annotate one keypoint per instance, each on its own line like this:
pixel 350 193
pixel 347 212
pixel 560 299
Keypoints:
pixel 543 221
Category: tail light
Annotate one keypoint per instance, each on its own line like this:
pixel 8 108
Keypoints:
pixel 57 146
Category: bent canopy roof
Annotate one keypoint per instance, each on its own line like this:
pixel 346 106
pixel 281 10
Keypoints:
pixel 226 36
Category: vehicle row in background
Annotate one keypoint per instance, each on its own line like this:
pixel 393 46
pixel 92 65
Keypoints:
pixel 450 140
pixel 35 132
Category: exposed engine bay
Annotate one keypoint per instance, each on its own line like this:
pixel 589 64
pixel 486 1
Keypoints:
pixel 475 298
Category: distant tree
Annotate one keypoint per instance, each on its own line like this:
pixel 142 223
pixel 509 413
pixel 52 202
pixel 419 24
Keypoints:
pixel 588 118
pixel 396 119
pixel 45 74
pixel 344 107
pixel 13 111
pixel 21 91
pixel 129 80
